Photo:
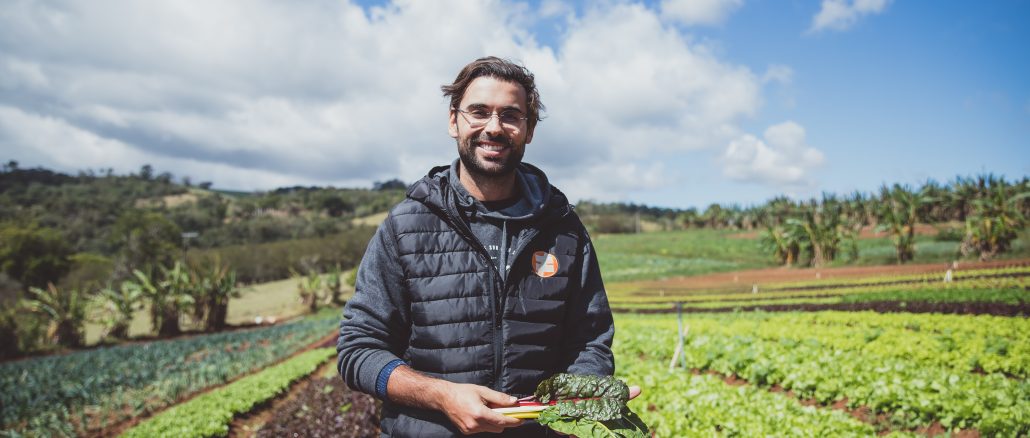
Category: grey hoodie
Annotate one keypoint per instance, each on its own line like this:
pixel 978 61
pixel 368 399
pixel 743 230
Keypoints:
pixel 496 224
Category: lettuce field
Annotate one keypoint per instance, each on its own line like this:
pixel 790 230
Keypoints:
pixel 879 355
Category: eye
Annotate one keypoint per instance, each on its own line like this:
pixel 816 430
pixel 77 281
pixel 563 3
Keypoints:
pixel 511 116
pixel 479 114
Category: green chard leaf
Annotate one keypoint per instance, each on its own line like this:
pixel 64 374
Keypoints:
pixel 627 426
pixel 564 386
pixel 600 410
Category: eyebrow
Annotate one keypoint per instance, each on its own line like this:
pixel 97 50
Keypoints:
pixel 481 106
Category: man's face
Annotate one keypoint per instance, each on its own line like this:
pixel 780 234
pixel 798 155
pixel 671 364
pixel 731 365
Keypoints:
pixel 496 148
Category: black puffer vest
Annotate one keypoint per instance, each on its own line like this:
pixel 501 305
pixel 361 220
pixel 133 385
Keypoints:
pixel 468 326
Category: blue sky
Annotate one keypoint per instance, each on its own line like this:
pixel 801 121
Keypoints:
pixel 671 102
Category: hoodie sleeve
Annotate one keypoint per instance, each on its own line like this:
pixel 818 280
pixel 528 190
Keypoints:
pixel 589 325
pixel 375 325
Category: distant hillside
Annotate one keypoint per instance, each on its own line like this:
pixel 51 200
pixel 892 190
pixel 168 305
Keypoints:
pixel 85 207
pixel 95 227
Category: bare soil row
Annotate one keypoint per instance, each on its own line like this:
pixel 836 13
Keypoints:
pixel 319 405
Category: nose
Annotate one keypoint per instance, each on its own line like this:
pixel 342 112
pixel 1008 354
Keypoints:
pixel 493 125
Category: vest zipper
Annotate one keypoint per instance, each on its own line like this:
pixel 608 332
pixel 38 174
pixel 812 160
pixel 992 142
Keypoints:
pixel 495 291
pixel 498 290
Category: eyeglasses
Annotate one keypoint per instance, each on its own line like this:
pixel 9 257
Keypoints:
pixel 478 118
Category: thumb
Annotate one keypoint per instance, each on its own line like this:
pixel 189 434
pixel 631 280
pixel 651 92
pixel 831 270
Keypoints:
pixel 497 399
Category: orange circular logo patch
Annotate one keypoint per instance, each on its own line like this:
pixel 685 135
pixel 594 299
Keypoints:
pixel 544 264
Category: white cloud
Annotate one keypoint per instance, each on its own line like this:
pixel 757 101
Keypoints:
pixel 778 73
pixel 842 14
pixel 46 139
pixel 624 88
pixel 782 158
pixel 261 94
pixel 554 8
pixel 699 12
pixel 19 74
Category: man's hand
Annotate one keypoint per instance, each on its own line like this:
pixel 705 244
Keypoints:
pixel 467 406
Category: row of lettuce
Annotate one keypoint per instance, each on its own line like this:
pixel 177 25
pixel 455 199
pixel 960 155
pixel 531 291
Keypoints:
pixel 90 391
pixel 211 413
pixel 911 371
pixel 987 286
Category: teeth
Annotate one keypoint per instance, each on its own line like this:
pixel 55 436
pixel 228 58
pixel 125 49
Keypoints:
pixel 491 148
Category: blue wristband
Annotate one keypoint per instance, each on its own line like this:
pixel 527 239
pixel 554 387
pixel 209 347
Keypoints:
pixel 384 376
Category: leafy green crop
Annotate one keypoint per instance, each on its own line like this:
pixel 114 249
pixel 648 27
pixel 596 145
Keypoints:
pixel 589 407
pixel 916 369
pixel 210 414
pixel 565 386
pixel 628 425
pixel 84 392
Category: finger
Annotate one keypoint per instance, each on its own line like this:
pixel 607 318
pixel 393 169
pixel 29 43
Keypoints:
pixel 490 421
pixel 634 391
pixel 496 399
pixel 504 421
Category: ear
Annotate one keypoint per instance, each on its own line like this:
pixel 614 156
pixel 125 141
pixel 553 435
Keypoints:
pixel 529 134
pixel 452 124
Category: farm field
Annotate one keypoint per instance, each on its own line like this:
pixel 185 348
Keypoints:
pixel 993 291
pixel 95 390
pixel 790 371
pixel 894 373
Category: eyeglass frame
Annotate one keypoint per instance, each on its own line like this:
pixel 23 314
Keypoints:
pixel 481 123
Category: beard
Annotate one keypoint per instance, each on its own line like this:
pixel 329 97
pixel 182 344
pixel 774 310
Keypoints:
pixel 490 168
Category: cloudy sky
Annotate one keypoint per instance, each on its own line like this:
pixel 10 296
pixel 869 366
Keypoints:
pixel 673 102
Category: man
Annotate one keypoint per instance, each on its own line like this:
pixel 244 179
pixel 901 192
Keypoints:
pixel 480 284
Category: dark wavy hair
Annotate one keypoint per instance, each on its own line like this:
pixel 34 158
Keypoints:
pixel 502 69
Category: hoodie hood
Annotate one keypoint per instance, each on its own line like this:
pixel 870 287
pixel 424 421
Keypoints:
pixel 531 188
pixel 442 189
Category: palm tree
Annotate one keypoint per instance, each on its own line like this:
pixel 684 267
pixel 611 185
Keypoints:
pixel 167 297
pixel 936 209
pixel 334 284
pixel 65 309
pixel 782 243
pixel 219 286
pixel 961 193
pixel 116 308
pixel 898 215
pixel 780 208
pixel 824 231
pixel 308 288
pixel 995 222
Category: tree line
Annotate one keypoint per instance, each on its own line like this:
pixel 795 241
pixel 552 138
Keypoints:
pixel 992 211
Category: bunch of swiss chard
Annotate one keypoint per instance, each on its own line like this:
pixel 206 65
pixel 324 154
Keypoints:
pixel 589 407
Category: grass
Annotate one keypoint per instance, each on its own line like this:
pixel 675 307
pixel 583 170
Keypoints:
pixel 664 254
pixel 652 256
pixel 274 298
pixel 880 251
pixel 372 220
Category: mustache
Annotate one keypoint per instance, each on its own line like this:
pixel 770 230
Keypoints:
pixel 499 139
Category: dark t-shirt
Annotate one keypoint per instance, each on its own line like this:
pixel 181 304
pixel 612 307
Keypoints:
pixel 494 232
